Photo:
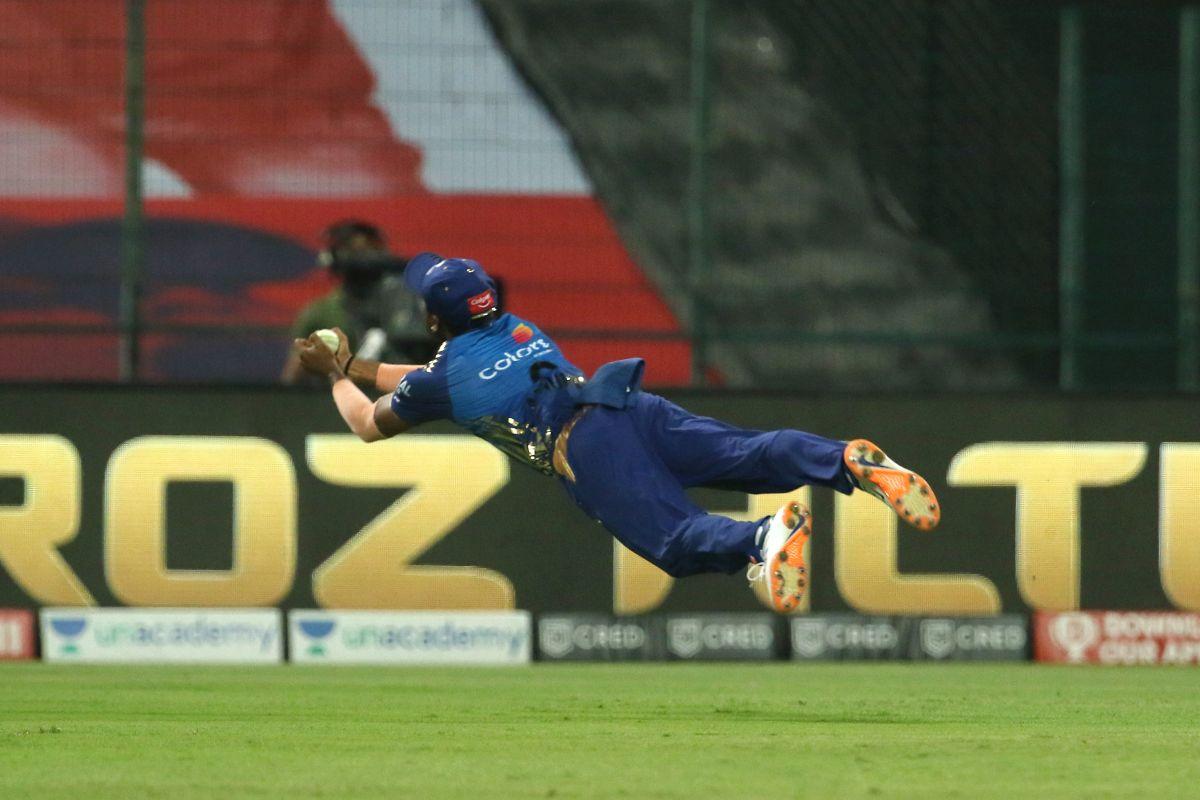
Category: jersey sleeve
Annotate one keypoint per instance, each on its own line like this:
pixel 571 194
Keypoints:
pixel 422 396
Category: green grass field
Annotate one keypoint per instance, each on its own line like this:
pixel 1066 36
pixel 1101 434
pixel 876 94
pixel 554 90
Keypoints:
pixel 686 731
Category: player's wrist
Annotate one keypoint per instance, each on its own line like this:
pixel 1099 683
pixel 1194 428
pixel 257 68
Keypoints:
pixel 362 370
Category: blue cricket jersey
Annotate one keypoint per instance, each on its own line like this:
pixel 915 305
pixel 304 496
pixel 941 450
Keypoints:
pixel 503 383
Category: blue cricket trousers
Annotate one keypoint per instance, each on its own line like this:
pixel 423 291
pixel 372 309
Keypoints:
pixel 632 465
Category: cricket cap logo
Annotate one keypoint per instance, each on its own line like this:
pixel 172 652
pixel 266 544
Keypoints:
pixel 481 303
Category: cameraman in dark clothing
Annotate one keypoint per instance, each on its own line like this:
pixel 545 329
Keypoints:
pixel 381 318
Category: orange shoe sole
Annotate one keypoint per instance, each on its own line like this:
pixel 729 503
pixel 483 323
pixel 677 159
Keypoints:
pixel 787 572
pixel 905 491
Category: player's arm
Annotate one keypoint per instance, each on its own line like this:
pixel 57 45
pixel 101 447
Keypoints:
pixel 367 419
pixel 384 377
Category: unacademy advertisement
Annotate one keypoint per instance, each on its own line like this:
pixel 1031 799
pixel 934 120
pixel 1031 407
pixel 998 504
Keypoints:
pixel 144 635
pixel 415 637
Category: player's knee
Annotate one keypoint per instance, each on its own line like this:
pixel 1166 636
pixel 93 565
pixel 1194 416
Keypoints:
pixel 674 566
pixel 779 446
pixel 674 558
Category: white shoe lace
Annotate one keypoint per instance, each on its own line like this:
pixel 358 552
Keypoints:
pixel 756 572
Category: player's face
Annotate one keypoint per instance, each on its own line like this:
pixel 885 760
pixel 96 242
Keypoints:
pixel 434 325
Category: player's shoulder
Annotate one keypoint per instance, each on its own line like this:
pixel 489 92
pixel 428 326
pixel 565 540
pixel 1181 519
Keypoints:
pixel 507 331
pixel 475 349
pixel 423 394
pixel 431 376
pixel 415 385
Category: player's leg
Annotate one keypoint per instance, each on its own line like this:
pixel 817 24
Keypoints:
pixel 782 565
pixel 702 451
pixel 909 495
pixel 618 481
pixel 625 487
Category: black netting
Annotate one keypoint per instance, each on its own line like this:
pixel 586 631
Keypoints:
pixel 883 176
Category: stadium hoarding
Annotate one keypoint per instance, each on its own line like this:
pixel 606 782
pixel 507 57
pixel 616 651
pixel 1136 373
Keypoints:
pixel 1117 637
pixel 16 634
pixel 240 497
pixel 853 637
pixel 598 637
pixel 162 636
pixel 722 637
pixel 654 637
pixel 409 637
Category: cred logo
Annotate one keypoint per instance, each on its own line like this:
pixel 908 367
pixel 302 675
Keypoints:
pixel 539 346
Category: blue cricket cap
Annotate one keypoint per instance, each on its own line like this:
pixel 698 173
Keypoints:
pixel 456 289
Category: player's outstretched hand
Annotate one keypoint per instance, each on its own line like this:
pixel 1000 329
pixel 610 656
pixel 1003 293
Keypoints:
pixel 316 356
pixel 342 355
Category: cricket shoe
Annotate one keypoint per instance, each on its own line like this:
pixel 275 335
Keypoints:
pixel 905 491
pixel 782 562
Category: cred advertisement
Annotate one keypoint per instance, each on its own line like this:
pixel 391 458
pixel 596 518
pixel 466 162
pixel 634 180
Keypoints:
pixel 1117 637
pixel 162 636
pixel 850 637
pixel 595 637
pixel 694 637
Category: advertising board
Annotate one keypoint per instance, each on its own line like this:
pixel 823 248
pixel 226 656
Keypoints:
pixel 159 635
pixel 1117 637
pixel 412 637
pixel 240 498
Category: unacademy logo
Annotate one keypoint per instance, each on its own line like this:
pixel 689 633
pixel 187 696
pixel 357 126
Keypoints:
pixel 447 637
pixel 69 628
pixel 316 629
pixel 200 632
pixel 536 346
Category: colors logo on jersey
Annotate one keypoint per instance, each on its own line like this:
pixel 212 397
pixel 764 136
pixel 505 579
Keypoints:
pixel 538 346
pixel 481 303
pixel 522 333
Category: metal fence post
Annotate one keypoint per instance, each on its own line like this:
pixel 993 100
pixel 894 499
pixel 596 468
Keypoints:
pixel 699 257
pixel 133 224
pixel 1189 199
pixel 1072 156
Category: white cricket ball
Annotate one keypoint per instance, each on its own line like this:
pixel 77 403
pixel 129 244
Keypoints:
pixel 329 338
